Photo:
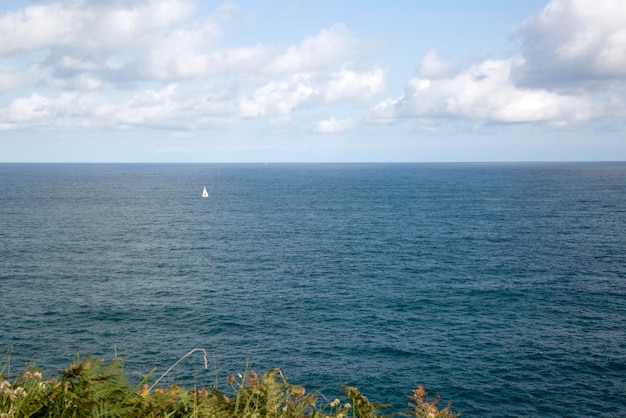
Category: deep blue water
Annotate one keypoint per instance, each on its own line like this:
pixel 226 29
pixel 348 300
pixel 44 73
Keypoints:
pixel 501 287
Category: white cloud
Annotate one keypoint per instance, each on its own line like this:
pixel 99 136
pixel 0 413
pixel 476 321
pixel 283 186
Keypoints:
pixel 32 108
pixel 433 66
pixel 190 51
pixel 157 108
pixel 122 58
pixel 83 44
pixel 62 111
pixel 171 107
pixel 484 91
pixel 85 25
pixel 279 97
pixel 36 27
pixel 180 107
pixel 159 64
pixel 571 70
pixel 330 47
pixel 309 88
pixel 333 125
pixel 575 40
pixel 170 61
pixel 352 85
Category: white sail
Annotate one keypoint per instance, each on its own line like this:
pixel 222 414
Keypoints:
pixel 205 193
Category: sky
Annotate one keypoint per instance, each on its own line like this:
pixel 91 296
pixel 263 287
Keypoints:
pixel 312 81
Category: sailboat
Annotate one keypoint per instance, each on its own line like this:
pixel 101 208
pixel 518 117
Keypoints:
pixel 205 193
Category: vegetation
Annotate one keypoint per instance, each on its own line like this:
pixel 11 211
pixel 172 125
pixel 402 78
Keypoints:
pixel 91 388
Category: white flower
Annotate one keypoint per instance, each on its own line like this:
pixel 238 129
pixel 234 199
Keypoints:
pixel 20 392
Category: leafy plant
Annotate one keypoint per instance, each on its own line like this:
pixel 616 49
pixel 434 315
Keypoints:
pixel 361 406
pixel 268 396
pixel 91 388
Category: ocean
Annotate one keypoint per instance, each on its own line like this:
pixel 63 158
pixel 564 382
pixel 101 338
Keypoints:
pixel 501 287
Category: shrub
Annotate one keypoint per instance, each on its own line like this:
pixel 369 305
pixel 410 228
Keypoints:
pixel 91 388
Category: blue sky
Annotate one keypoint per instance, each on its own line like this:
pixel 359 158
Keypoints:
pixel 309 80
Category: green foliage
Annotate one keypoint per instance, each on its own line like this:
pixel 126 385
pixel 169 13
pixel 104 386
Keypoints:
pixel 268 396
pixel 91 388
pixel 361 406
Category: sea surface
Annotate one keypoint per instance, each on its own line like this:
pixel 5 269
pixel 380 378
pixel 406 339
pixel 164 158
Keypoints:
pixel 501 287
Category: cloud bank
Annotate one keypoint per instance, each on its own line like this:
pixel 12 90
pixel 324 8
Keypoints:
pixel 162 64
pixel 158 64
pixel 573 56
pixel 485 91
